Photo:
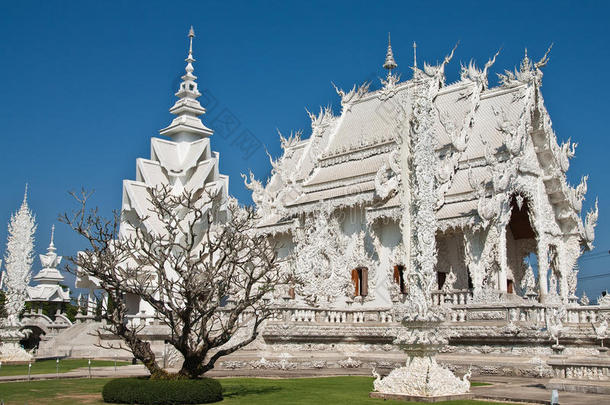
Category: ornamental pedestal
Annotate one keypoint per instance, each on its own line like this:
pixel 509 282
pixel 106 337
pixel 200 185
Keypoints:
pixel 422 378
pixel 10 346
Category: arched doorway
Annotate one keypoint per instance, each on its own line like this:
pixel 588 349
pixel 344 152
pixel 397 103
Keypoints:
pixel 520 243
pixel 33 340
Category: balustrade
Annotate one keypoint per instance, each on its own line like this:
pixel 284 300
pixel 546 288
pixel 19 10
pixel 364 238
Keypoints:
pixel 453 297
pixel 301 315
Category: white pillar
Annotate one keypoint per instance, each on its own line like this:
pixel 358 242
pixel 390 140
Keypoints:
pixel 503 260
pixel 543 268
pixel 564 269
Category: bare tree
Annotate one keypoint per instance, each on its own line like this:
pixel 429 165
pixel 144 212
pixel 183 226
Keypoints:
pixel 196 259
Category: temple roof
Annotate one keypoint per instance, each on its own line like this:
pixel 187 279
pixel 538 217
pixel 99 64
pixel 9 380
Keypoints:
pixel 476 127
pixel 370 124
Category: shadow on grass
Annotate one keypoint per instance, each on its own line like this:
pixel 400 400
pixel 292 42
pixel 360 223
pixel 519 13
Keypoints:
pixel 243 390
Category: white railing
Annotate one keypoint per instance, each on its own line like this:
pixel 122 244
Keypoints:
pixel 503 312
pixel 453 297
pixel 322 316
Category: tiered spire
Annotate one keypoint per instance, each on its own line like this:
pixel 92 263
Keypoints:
pixel 49 273
pixel 49 278
pixel 390 63
pixel 187 126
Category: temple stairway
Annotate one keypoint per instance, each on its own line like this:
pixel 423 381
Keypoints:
pixel 78 341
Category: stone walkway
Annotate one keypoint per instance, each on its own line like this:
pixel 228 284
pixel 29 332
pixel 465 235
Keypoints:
pixel 508 389
pixel 531 390
pixel 83 372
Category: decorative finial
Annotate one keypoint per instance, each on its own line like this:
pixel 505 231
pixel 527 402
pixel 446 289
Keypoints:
pixel 414 55
pixel 390 63
pixel 191 36
pixel 25 194
pixel 52 234
pixel 187 125
pixel 526 64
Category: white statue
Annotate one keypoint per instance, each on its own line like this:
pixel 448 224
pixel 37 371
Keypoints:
pixel 555 326
pixel 584 300
pixel 600 331
pixel 449 284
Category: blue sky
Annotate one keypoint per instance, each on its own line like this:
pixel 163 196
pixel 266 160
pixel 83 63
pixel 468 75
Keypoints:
pixel 84 85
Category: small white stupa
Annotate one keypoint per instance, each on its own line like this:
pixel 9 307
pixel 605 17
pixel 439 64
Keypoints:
pixel 48 288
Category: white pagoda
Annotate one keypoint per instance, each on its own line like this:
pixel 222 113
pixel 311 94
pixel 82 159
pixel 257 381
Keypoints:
pixel 48 280
pixel 184 161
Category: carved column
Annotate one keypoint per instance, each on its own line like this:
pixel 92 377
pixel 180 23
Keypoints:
pixel 502 259
pixel 472 257
pixel 405 197
pixel 543 268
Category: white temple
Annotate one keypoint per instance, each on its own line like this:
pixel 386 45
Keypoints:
pixel 48 279
pixel 465 180
pixel 459 189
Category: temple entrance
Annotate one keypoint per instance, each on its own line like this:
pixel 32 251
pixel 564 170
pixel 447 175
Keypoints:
pixel 520 244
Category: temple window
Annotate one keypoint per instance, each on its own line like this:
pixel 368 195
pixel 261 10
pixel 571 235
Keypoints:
pixel 509 286
pixel 360 281
pixel 399 278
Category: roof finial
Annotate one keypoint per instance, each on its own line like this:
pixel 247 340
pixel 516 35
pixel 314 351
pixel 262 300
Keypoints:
pixel 52 245
pixel 526 64
pixel 414 55
pixel 390 63
pixel 187 125
pixel 191 36
pixel 25 194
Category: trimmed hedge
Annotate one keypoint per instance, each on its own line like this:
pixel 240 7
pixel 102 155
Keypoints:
pixel 145 391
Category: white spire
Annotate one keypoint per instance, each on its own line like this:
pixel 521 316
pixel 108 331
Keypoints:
pixel 51 247
pixel 187 126
pixel 18 258
pixel 390 63
pixel 191 36
pixel 50 261
pixel 414 55
pixel 25 195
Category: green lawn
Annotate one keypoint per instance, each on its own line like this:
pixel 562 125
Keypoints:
pixel 49 366
pixel 243 391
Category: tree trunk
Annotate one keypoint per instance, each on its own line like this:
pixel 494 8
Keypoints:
pixel 142 351
pixel 192 367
